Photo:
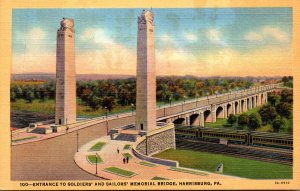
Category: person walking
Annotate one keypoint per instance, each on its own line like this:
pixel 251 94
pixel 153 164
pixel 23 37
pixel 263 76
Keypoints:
pixel 127 159
pixel 124 160
pixel 118 151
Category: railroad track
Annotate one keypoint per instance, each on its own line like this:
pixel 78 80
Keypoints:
pixel 240 151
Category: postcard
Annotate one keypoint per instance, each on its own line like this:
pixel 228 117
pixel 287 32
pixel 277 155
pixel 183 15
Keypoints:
pixel 188 95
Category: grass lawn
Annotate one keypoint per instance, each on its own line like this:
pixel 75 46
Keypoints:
pixel 187 171
pixel 25 139
pixel 234 166
pixel 92 159
pixel 159 178
pixel 127 155
pixel 119 171
pixel 126 147
pixel 98 146
pixel 48 107
pixel 220 123
pixel 147 164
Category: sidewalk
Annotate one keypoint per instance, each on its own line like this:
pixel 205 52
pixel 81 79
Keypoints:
pixel 111 158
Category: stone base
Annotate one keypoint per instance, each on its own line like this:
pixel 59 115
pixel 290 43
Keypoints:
pixel 158 140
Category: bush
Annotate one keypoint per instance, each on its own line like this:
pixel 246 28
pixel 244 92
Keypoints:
pixel 268 113
pixel 254 121
pixel 284 109
pixel 278 124
pixel 231 119
pixel 243 120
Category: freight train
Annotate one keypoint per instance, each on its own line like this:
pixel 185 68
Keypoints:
pixel 244 137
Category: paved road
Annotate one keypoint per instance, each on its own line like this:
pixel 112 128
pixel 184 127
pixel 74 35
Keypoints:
pixel 53 159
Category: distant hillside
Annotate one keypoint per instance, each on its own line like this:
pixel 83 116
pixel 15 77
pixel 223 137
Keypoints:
pixel 48 76
pixel 45 76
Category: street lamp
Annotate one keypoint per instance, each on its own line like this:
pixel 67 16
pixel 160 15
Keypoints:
pixel 96 163
pixel 106 113
pixel 77 139
pixel 132 107
pixel 11 137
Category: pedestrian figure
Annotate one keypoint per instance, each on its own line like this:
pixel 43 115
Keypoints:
pixel 67 129
pixel 124 160
pixel 118 150
pixel 127 159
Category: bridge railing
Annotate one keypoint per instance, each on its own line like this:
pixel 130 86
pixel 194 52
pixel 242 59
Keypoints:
pixel 213 99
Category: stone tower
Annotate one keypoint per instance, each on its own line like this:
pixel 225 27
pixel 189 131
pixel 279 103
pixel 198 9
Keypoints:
pixel 65 106
pixel 146 77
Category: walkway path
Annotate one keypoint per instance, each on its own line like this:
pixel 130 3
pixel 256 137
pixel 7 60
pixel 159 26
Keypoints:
pixel 111 158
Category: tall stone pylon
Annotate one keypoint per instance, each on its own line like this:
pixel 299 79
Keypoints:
pixel 146 77
pixel 65 106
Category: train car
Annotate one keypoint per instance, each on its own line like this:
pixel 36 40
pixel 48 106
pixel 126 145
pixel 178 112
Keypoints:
pixel 233 136
pixel 271 139
pixel 187 132
pixel 244 137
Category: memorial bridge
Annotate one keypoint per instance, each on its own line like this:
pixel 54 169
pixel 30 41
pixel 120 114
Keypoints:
pixel 191 112
pixel 208 109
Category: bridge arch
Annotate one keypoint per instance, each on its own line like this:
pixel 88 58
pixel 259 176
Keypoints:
pixel 262 99
pixel 256 99
pixel 220 112
pixel 179 121
pixel 229 109
pixel 194 119
pixel 236 107
pixel 248 103
pixel 253 102
pixel 242 106
pixel 207 116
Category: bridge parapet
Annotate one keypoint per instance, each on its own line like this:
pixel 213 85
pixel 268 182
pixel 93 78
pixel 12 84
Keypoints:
pixel 246 99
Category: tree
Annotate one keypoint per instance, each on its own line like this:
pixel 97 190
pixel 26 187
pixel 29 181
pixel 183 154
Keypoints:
pixel 286 96
pixel 284 109
pixel 94 102
pixel 278 124
pixel 254 121
pixel 272 98
pixel 13 96
pixel 29 95
pixel 285 79
pixel 108 102
pixel 243 120
pixel 267 113
pixel 231 119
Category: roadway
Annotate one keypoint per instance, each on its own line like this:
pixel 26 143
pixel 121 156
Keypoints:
pixel 53 159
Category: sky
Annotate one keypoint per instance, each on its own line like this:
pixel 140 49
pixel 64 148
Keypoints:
pixel 188 41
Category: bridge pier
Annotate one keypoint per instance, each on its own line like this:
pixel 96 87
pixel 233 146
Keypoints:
pixel 201 116
pixel 213 113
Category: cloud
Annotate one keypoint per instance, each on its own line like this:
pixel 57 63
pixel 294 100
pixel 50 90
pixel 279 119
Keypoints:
pixel 191 37
pixel 267 32
pixel 36 55
pixel 108 56
pixel 266 61
pixel 214 35
pixel 96 35
pixel 276 33
pixel 36 34
pixel 253 36
pixel 166 38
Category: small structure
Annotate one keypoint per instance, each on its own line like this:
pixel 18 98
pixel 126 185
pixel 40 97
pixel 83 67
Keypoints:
pixel 219 168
